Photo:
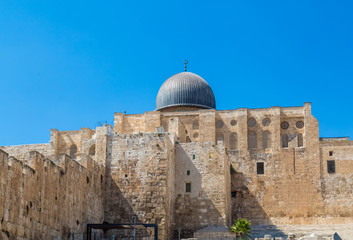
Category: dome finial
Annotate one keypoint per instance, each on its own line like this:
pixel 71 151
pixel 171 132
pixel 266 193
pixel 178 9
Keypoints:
pixel 186 63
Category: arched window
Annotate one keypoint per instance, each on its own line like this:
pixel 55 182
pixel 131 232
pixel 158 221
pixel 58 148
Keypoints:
pixel 219 137
pixel 92 150
pixel 195 125
pixel 252 140
pixel 300 140
pixel 284 140
pixel 233 141
pixel 73 151
pixel 266 139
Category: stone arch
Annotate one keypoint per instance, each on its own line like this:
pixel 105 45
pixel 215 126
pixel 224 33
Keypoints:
pixel 252 140
pixel 266 139
pixel 219 137
pixel 284 140
pixel 73 151
pixel 92 150
pixel 233 141
pixel 300 140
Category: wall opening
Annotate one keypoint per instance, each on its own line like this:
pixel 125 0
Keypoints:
pixel 252 140
pixel 195 125
pixel 260 168
pixel 219 124
pixel 73 151
pixel 92 150
pixel 300 140
pixel 331 168
pixel 188 187
pixel 266 139
pixel 284 140
pixel 233 141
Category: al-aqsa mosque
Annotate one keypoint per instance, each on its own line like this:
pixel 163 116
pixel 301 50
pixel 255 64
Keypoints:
pixel 184 166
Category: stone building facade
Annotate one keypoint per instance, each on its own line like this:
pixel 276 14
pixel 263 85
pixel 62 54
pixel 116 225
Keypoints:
pixel 183 166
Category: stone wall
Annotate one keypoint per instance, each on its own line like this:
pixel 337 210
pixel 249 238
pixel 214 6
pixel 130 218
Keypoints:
pixel 145 173
pixel 288 190
pixel 295 187
pixel 22 152
pixel 47 199
pixel 336 188
pixel 140 179
pixel 206 168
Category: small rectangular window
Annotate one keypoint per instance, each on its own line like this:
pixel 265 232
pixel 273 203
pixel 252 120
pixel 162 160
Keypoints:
pixel 331 168
pixel 260 168
pixel 188 187
pixel 188 172
pixel 331 153
pixel 234 194
pixel 193 156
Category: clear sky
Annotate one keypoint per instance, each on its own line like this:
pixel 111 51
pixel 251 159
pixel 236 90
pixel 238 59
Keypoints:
pixel 71 64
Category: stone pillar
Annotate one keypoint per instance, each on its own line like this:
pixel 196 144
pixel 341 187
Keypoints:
pixel 276 128
pixel 103 140
pixel 119 123
pixel 86 134
pixel 207 126
pixel 176 127
pixel 243 130
pixel 54 140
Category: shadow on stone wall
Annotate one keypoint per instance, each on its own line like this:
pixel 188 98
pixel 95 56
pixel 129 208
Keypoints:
pixel 246 205
pixel 119 210
pixel 198 209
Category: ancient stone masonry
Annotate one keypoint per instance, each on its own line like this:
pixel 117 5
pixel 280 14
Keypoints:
pixel 48 199
pixel 185 167
pixel 206 169
pixel 140 180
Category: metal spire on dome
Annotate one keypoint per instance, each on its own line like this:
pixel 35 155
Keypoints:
pixel 186 63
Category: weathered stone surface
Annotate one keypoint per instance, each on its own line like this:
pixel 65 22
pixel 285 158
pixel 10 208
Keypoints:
pixel 144 164
pixel 42 200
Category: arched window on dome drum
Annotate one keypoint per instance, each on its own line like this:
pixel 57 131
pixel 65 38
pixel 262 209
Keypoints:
pixel 92 150
pixel 300 140
pixel 219 137
pixel 73 151
pixel 233 141
pixel 266 139
pixel 284 140
pixel 252 140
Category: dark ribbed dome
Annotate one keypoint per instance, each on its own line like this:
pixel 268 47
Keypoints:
pixel 185 89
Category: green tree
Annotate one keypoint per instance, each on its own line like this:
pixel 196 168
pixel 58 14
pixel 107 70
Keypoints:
pixel 242 228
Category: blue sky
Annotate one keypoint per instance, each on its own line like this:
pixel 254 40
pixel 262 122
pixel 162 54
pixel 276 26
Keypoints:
pixel 71 64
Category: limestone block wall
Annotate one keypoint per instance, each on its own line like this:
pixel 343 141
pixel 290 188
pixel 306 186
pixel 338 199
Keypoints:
pixel 289 190
pixel 87 142
pixel 66 139
pixel 22 152
pixel 184 124
pixel 336 188
pixel 47 199
pixel 140 180
pixel 134 123
pixel 206 168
